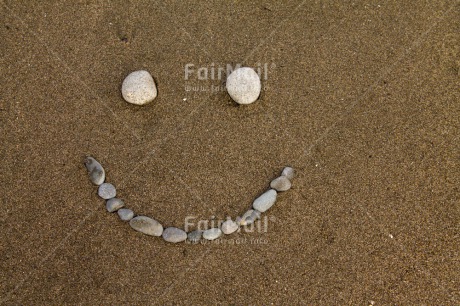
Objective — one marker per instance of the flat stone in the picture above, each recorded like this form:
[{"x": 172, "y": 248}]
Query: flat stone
[
  {"x": 125, "y": 214},
  {"x": 146, "y": 225},
  {"x": 114, "y": 204},
  {"x": 139, "y": 88},
  {"x": 195, "y": 236},
  {"x": 229, "y": 227},
  {"x": 288, "y": 172},
  {"x": 96, "y": 171},
  {"x": 243, "y": 85},
  {"x": 174, "y": 235},
  {"x": 212, "y": 233},
  {"x": 265, "y": 201},
  {"x": 107, "y": 191},
  {"x": 281, "y": 183}
]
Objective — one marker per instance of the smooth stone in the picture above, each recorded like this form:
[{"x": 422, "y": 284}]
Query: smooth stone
[
  {"x": 212, "y": 233},
  {"x": 114, "y": 204},
  {"x": 229, "y": 227},
  {"x": 281, "y": 183},
  {"x": 288, "y": 172},
  {"x": 265, "y": 201},
  {"x": 195, "y": 236},
  {"x": 96, "y": 171},
  {"x": 174, "y": 235},
  {"x": 107, "y": 191},
  {"x": 139, "y": 88},
  {"x": 125, "y": 214},
  {"x": 244, "y": 217},
  {"x": 146, "y": 225},
  {"x": 255, "y": 214},
  {"x": 243, "y": 85}
]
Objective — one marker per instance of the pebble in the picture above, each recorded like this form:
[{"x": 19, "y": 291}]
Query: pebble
[
  {"x": 265, "y": 201},
  {"x": 288, "y": 172},
  {"x": 114, "y": 204},
  {"x": 107, "y": 191},
  {"x": 146, "y": 225},
  {"x": 174, "y": 234},
  {"x": 281, "y": 183},
  {"x": 212, "y": 233},
  {"x": 195, "y": 236},
  {"x": 243, "y": 85},
  {"x": 96, "y": 172},
  {"x": 125, "y": 214},
  {"x": 250, "y": 217},
  {"x": 139, "y": 88},
  {"x": 229, "y": 227}
]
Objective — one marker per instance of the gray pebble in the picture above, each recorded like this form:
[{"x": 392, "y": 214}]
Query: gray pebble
[
  {"x": 114, "y": 204},
  {"x": 250, "y": 217},
  {"x": 107, "y": 191},
  {"x": 288, "y": 172},
  {"x": 265, "y": 201},
  {"x": 195, "y": 236},
  {"x": 244, "y": 217},
  {"x": 96, "y": 172},
  {"x": 174, "y": 234},
  {"x": 146, "y": 226},
  {"x": 243, "y": 85},
  {"x": 281, "y": 183},
  {"x": 125, "y": 214},
  {"x": 229, "y": 227},
  {"x": 212, "y": 233}
]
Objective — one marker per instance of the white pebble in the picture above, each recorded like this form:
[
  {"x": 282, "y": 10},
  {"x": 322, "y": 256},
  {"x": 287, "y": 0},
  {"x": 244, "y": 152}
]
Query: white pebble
[
  {"x": 243, "y": 85},
  {"x": 125, "y": 214},
  {"x": 288, "y": 172},
  {"x": 281, "y": 183},
  {"x": 174, "y": 235},
  {"x": 212, "y": 233},
  {"x": 114, "y": 204},
  {"x": 139, "y": 88},
  {"x": 265, "y": 201},
  {"x": 96, "y": 171},
  {"x": 107, "y": 191},
  {"x": 229, "y": 227},
  {"x": 146, "y": 226}
]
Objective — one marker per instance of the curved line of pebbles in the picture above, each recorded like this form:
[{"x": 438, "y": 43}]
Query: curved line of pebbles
[{"x": 152, "y": 227}]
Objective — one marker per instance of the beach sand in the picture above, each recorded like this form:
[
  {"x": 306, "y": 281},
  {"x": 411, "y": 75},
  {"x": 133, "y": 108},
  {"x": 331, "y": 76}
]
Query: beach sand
[{"x": 362, "y": 99}]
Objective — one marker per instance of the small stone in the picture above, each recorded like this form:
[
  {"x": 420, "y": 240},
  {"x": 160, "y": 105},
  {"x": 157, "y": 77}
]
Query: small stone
[
  {"x": 212, "y": 233},
  {"x": 139, "y": 88},
  {"x": 107, "y": 191},
  {"x": 281, "y": 183},
  {"x": 195, "y": 236},
  {"x": 229, "y": 227},
  {"x": 288, "y": 172},
  {"x": 146, "y": 226},
  {"x": 114, "y": 204},
  {"x": 243, "y": 85},
  {"x": 250, "y": 217},
  {"x": 125, "y": 214},
  {"x": 265, "y": 201},
  {"x": 246, "y": 215},
  {"x": 174, "y": 235},
  {"x": 96, "y": 171}
]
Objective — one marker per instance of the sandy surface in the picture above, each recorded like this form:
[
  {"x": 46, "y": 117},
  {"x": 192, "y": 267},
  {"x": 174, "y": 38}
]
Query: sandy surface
[{"x": 362, "y": 99}]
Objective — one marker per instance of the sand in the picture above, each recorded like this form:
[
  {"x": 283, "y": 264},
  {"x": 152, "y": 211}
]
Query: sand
[{"x": 361, "y": 99}]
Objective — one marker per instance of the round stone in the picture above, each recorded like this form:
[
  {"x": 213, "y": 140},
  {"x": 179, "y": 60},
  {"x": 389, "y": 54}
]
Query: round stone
[
  {"x": 243, "y": 85},
  {"x": 281, "y": 183},
  {"x": 139, "y": 88},
  {"x": 265, "y": 201},
  {"x": 288, "y": 172},
  {"x": 114, "y": 204},
  {"x": 174, "y": 234},
  {"x": 107, "y": 191},
  {"x": 195, "y": 236},
  {"x": 125, "y": 214},
  {"x": 229, "y": 227},
  {"x": 212, "y": 233},
  {"x": 96, "y": 171},
  {"x": 146, "y": 226}
]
